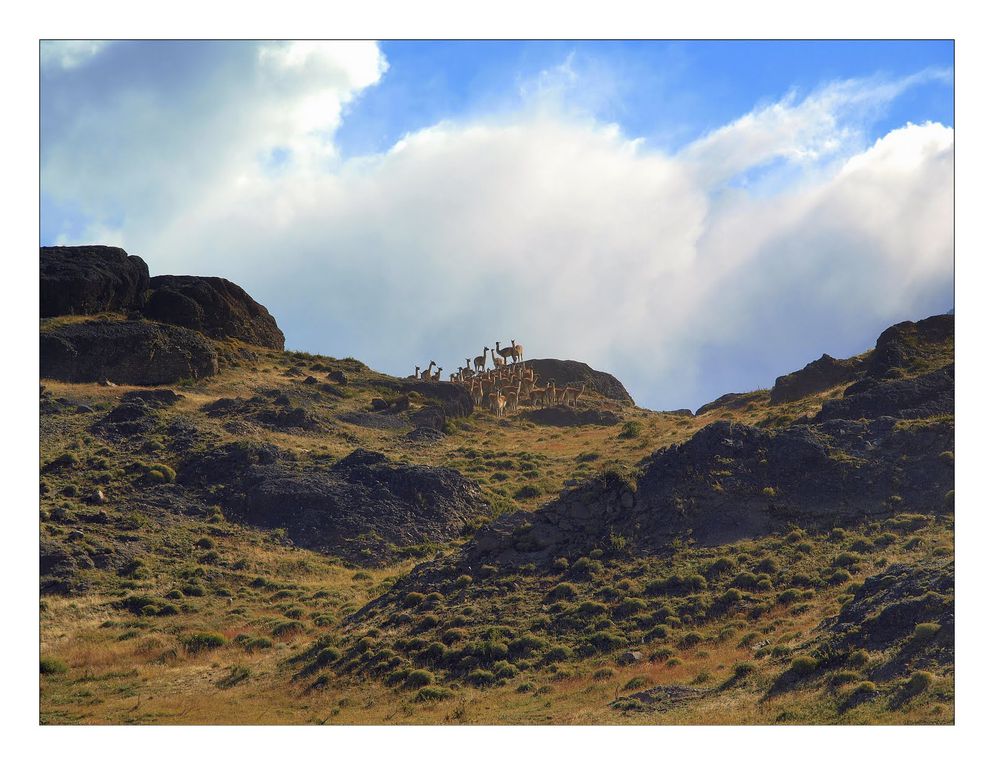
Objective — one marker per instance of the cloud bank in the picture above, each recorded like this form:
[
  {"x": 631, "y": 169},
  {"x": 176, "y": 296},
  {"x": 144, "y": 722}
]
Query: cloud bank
[{"x": 782, "y": 235}]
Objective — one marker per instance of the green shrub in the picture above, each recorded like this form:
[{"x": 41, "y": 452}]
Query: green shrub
[
  {"x": 605, "y": 640},
  {"x": 630, "y": 429},
  {"x": 730, "y": 597},
  {"x": 419, "y": 678},
  {"x": 291, "y": 627},
  {"x": 794, "y": 537},
  {"x": 639, "y": 681},
  {"x": 804, "y": 665},
  {"x": 789, "y": 596},
  {"x": 604, "y": 673},
  {"x": 258, "y": 644},
  {"x": 503, "y": 670},
  {"x": 743, "y": 668},
  {"x": 885, "y": 540},
  {"x": 327, "y": 656},
  {"x": 844, "y": 677},
  {"x": 839, "y": 576},
  {"x": 918, "y": 682},
  {"x": 630, "y": 606},
  {"x": 50, "y": 666},
  {"x": 413, "y": 599},
  {"x": 865, "y": 688},
  {"x": 525, "y": 646},
  {"x": 925, "y": 632},
  {"x": 481, "y": 677},
  {"x": 464, "y": 581},
  {"x": 528, "y": 491},
  {"x": 858, "y": 658},
  {"x": 558, "y": 653},
  {"x": 861, "y": 544},
  {"x": 585, "y": 568},
  {"x": 719, "y": 567},
  {"x": 690, "y": 639},
  {"x": 202, "y": 641},
  {"x": 430, "y": 693},
  {"x": 453, "y": 635}
]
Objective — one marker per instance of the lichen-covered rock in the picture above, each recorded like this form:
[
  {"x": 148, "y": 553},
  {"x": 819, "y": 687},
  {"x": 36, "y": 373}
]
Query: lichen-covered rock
[
  {"x": 91, "y": 279},
  {"x": 128, "y": 352},
  {"x": 214, "y": 306}
]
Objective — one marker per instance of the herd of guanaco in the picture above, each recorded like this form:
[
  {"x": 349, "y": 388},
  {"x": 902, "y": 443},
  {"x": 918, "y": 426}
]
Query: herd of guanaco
[{"x": 508, "y": 386}]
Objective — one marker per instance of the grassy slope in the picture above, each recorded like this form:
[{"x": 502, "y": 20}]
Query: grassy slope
[{"x": 122, "y": 667}]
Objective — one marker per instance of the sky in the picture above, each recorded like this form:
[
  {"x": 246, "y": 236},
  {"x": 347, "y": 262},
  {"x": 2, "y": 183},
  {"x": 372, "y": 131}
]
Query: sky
[{"x": 695, "y": 217}]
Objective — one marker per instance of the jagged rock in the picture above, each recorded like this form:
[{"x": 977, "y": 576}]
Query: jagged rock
[
  {"x": 564, "y": 416},
  {"x": 929, "y": 395},
  {"x": 337, "y": 376},
  {"x": 91, "y": 279},
  {"x": 576, "y": 373},
  {"x": 825, "y": 373},
  {"x": 214, "y": 306},
  {"x": 129, "y": 352}
]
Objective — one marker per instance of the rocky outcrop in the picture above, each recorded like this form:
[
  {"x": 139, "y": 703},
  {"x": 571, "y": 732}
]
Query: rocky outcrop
[
  {"x": 734, "y": 401},
  {"x": 564, "y": 416},
  {"x": 128, "y": 352},
  {"x": 452, "y": 399},
  {"x": 214, "y": 306},
  {"x": 576, "y": 373},
  {"x": 91, "y": 279},
  {"x": 910, "y": 345},
  {"x": 363, "y": 509},
  {"x": 825, "y": 373},
  {"x": 929, "y": 395},
  {"x": 732, "y": 481}
]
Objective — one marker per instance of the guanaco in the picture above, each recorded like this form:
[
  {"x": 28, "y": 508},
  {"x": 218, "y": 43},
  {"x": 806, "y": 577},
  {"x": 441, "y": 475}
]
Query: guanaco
[{"x": 480, "y": 362}]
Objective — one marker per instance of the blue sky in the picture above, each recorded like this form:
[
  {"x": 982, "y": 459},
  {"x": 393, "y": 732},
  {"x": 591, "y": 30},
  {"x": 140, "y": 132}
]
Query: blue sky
[
  {"x": 695, "y": 217},
  {"x": 667, "y": 91}
]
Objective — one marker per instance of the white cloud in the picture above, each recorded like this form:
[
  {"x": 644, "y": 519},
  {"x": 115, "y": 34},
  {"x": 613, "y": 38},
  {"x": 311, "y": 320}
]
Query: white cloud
[
  {"x": 550, "y": 229},
  {"x": 68, "y": 54}
]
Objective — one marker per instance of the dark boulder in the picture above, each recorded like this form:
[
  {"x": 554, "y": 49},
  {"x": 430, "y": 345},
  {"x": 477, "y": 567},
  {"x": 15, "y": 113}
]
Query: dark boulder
[
  {"x": 576, "y": 373},
  {"x": 825, "y": 373},
  {"x": 91, "y": 279},
  {"x": 128, "y": 352},
  {"x": 214, "y": 306},
  {"x": 564, "y": 416}
]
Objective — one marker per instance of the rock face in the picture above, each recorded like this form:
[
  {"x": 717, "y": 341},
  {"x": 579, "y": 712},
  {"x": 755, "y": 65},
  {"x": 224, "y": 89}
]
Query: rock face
[
  {"x": 453, "y": 400},
  {"x": 362, "y": 509},
  {"x": 91, "y": 279},
  {"x": 128, "y": 352},
  {"x": 214, "y": 306},
  {"x": 564, "y": 373},
  {"x": 825, "y": 373}
]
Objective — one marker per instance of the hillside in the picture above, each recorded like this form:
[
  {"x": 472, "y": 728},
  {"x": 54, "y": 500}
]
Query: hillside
[{"x": 235, "y": 533}]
